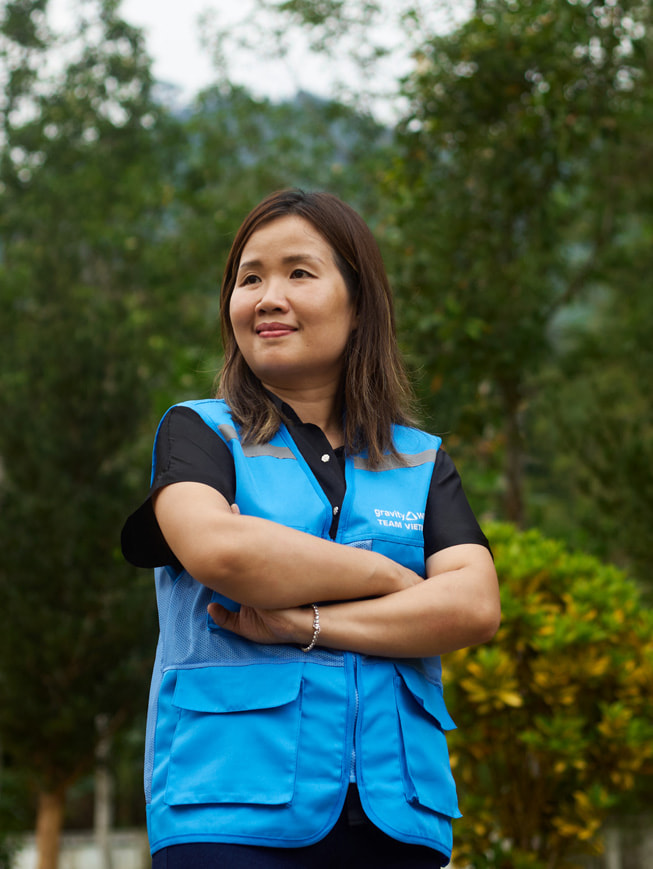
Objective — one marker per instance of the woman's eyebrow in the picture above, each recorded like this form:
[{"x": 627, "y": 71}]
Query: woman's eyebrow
[
  {"x": 301, "y": 257},
  {"x": 290, "y": 259}
]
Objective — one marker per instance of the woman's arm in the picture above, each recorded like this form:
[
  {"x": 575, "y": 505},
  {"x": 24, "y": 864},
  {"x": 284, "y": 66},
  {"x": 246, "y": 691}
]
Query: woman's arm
[
  {"x": 455, "y": 607},
  {"x": 264, "y": 564}
]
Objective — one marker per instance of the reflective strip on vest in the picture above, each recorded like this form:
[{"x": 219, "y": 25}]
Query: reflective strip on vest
[
  {"x": 388, "y": 463},
  {"x": 228, "y": 432},
  {"x": 254, "y": 450},
  {"x": 392, "y": 463},
  {"x": 251, "y": 451}
]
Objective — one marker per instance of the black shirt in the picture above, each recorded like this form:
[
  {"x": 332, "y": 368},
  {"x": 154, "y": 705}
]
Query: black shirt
[{"x": 188, "y": 450}]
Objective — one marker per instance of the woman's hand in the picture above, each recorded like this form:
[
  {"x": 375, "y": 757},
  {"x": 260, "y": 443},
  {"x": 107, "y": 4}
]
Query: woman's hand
[{"x": 289, "y": 625}]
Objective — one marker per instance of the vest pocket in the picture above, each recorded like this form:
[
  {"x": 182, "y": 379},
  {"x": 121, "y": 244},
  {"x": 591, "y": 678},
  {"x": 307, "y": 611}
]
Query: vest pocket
[
  {"x": 425, "y": 767},
  {"x": 236, "y": 736}
]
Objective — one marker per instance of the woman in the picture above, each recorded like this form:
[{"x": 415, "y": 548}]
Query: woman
[{"x": 300, "y": 722}]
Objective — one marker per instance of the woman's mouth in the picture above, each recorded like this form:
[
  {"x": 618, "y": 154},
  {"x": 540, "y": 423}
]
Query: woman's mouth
[{"x": 274, "y": 330}]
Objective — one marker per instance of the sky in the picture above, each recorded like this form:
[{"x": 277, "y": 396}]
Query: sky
[{"x": 173, "y": 37}]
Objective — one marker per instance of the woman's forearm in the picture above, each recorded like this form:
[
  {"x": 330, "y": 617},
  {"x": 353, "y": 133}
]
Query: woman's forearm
[
  {"x": 456, "y": 607},
  {"x": 453, "y": 609},
  {"x": 263, "y": 564},
  {"x": 416, "y": 622},
  {"x": 268, "y": 565}
]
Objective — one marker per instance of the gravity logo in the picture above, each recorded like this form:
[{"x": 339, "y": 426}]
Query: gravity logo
[{"x": 395, "y": 519}]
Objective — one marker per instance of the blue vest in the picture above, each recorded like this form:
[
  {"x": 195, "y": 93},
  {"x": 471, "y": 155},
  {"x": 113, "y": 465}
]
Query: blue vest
[{"x": 257, "y": 744}]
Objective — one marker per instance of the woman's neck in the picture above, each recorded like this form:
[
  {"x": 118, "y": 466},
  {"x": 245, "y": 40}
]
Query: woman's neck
[{"x": 321, "y": 407}]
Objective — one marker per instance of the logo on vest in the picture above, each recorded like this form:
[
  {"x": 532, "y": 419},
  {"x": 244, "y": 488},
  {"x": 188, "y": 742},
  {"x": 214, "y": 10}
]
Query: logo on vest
[{"x": 395, "y": 519}]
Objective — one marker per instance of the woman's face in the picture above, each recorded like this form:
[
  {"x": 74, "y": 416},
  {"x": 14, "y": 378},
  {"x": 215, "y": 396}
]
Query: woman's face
[{"x": 290, "y": 309}]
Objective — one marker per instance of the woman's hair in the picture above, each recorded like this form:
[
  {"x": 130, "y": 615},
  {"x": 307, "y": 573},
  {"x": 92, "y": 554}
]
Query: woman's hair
[{"x": 374, "y": 390}]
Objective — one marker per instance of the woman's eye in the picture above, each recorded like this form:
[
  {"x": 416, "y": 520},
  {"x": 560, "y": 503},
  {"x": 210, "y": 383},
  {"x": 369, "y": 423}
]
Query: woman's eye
[
  {"x": 249, "y": 279},
  {"x": 300, "y": 273}
]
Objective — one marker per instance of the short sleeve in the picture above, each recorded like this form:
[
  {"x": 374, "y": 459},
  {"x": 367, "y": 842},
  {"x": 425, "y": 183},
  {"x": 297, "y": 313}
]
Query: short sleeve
[
  {"x": 186, "y": 450},
  {"x": 448, "y": 518}
]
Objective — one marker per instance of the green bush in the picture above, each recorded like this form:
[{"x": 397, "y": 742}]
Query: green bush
[{"x": 556, "y": 714}]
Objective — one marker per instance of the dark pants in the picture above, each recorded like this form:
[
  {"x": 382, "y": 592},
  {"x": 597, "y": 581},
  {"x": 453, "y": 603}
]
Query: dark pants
[{"x": 353, "y": 842}]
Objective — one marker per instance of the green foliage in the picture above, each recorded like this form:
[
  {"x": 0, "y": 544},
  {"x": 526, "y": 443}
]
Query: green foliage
[
  {"x": 80, "y": 194},
  {"x": 501, "y": 222},
  {"x": 592, "y": 428},
  {"x": 556, "y": 714}
]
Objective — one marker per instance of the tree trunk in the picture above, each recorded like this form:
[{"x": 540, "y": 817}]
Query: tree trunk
[
  {"x": 103, "y": 793},
  {"x": 48, "y": 828}
]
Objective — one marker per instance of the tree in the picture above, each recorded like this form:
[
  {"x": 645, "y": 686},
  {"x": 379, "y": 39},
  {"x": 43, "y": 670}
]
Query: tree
[
  {"x": 593, "y": 422},
  {"x": 555, "y": 714},
  {"x": 82, "y": 196},
  {"x": 504, "y": 222}
]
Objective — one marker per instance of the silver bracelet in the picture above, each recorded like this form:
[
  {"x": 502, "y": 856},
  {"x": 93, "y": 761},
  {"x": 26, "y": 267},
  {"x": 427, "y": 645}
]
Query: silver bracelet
[{"x": 316, "y": 629}]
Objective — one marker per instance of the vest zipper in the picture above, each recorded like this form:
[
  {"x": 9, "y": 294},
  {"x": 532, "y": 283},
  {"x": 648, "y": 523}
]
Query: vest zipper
[{"x": 352, "y": 761}]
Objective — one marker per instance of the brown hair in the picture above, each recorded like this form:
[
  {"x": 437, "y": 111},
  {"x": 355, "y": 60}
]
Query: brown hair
[{"x": 375, "y": 390}]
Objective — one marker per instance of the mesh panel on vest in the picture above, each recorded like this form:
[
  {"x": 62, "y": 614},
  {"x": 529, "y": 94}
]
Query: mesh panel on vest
[
  {"x": 152, "y": 715},
  {"x": 190, "y": 639}
]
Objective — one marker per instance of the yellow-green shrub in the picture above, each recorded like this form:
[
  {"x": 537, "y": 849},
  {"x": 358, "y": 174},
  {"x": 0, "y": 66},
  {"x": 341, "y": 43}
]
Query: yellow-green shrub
[{"x": 555, "y": 716}]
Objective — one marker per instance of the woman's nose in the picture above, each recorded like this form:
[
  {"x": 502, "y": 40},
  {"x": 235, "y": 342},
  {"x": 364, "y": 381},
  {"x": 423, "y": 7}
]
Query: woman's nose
[{"x": 273, "y": 297}]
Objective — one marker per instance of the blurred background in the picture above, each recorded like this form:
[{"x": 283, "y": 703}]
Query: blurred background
[{"x": 501, "y": 151}]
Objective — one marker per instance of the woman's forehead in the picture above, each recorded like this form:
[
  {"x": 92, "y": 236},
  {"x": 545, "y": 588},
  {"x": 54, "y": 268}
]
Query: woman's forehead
[
  {"x": 290, "y": 237},
  {"x": 288, "y": 226}
]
